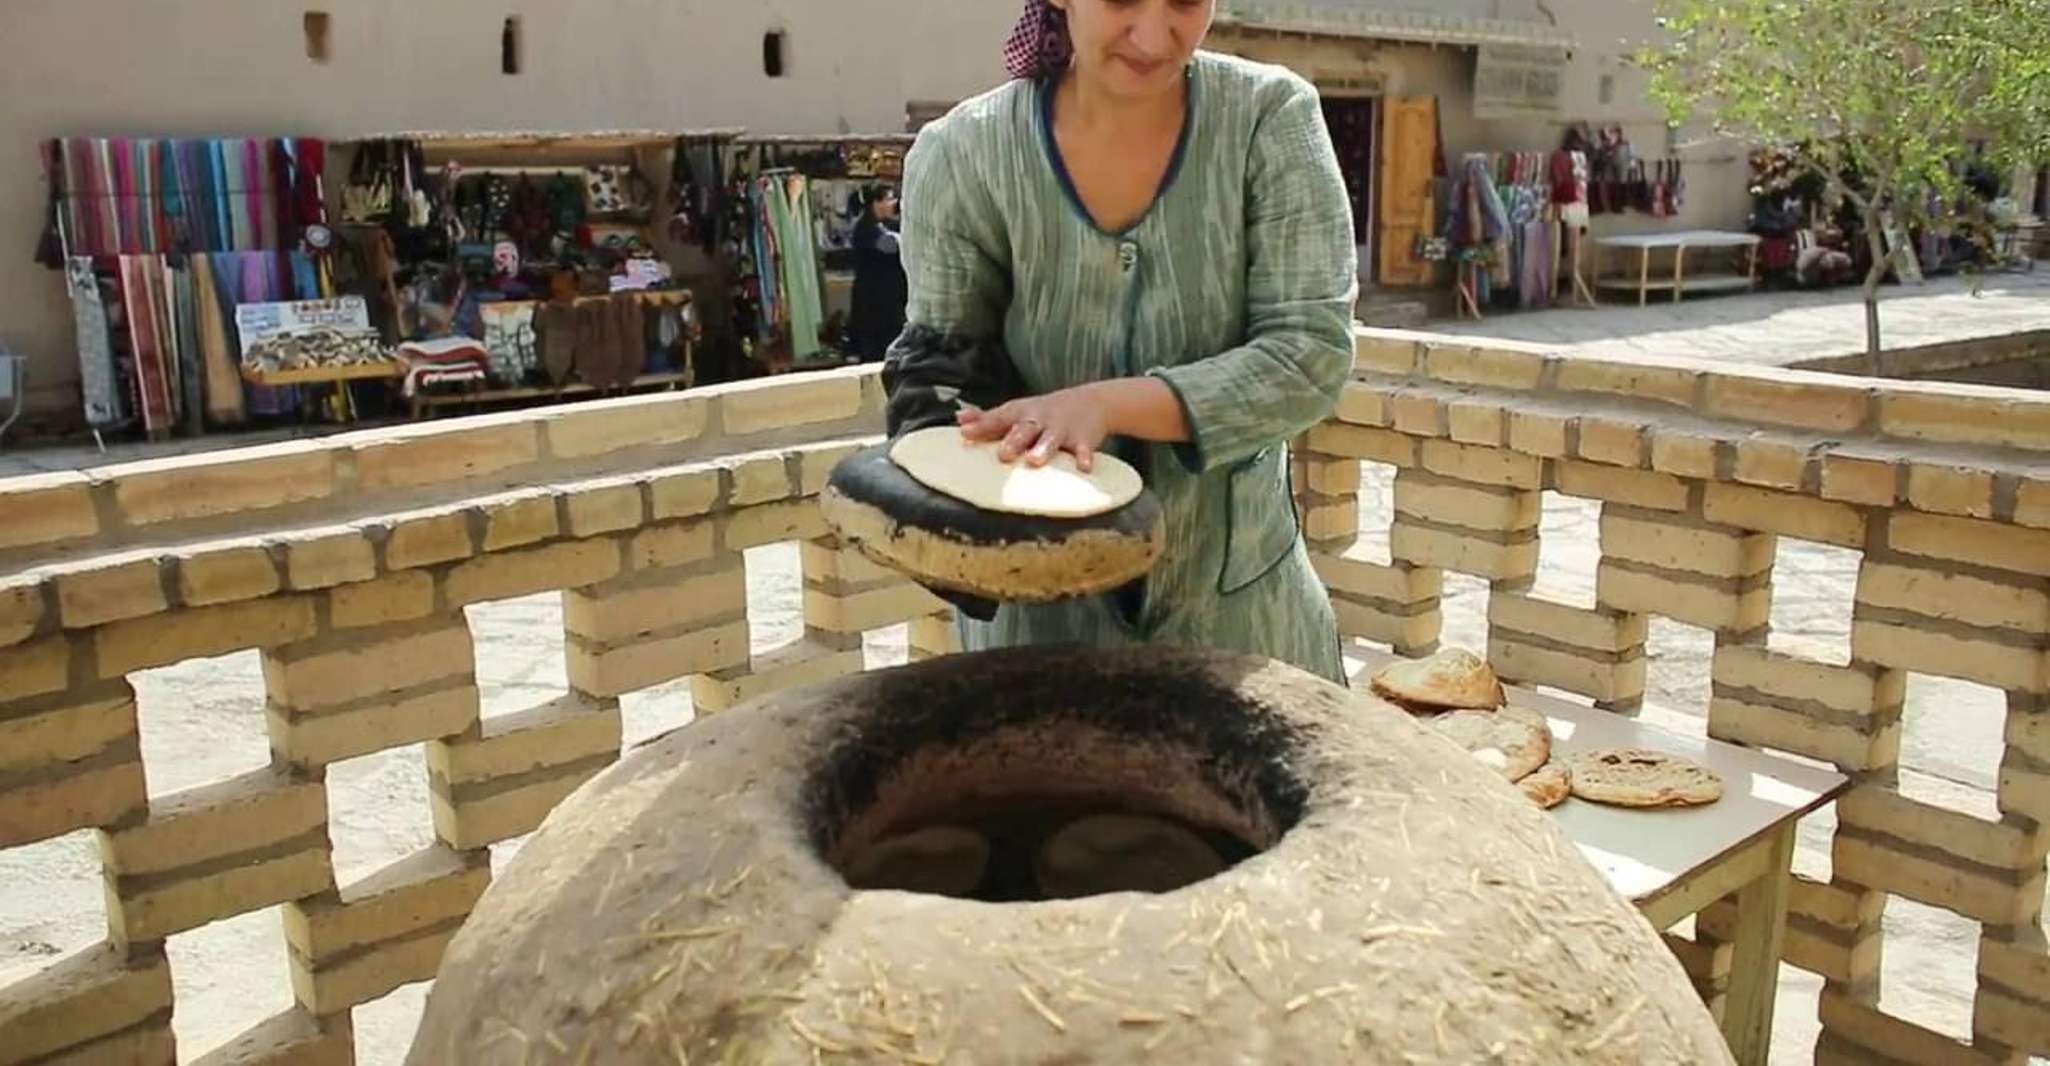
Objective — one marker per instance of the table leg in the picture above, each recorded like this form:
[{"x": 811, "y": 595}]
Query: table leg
[
  {"x": 1644, "y": 276},
  {"x": 1755, "y": 957}
]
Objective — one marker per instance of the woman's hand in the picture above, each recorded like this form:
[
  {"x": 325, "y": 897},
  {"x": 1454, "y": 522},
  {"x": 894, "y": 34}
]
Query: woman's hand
[
  {"x": 1037, "y": 428},
  {"x": 1078, "y": 420}
]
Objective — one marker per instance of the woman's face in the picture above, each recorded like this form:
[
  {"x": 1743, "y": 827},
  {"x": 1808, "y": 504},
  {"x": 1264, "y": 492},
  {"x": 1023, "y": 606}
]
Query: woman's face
[{"x": 1137, "y": 47}]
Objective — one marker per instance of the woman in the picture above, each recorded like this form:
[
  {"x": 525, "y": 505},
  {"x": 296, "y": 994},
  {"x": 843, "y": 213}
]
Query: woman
[
  {"x": 879, "y": 285},
  {"x": 1140, "y": 247}
]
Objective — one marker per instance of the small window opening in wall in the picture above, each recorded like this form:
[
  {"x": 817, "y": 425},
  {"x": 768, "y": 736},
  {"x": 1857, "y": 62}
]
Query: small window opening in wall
[
  {"x": 509, "y": 46},
  {"x": 317, "y": 26},
  {"x": 1608, "y": 89},
  {"x": 772, "y": 53}
]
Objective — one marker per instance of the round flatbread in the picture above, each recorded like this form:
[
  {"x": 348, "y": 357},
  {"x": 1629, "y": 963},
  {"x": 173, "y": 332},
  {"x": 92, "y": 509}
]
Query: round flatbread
[
  {"x": 1454, "y": 678},
  {"x": 944, "y": 860},
  {"x": 1123, "y": 853},
  {"x": 1548, "y": 786},
  {"x": 1513, "y": 741},
  {"x": 942, "y": 460},
  {"x": 1634, "y": 777}
]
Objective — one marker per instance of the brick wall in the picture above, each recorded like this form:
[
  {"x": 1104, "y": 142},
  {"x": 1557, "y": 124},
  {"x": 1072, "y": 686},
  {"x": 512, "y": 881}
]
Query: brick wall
[{"x": 349, "y": 561}]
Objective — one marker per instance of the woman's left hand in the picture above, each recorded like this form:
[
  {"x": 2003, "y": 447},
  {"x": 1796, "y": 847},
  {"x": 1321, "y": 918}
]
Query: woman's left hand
[{"x": 1038, "y": 427}]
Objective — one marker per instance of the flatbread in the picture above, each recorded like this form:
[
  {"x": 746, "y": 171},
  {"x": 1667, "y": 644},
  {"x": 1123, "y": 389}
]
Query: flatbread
[
  {"x": 942, "y": 860},
  {"x": 1513, "y": 741},
  {"x": 942, "y": 460},
  {"x": 1454, "y": 678},
  {"x": 1104, "y": 853},
  {"x": 1549, "y": 786},
  {"x": 1634, "y": 777}
]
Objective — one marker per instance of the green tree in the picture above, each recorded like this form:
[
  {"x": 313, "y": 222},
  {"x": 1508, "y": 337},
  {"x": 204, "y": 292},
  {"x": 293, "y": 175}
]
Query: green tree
[{"x": 1885, "y": 100}]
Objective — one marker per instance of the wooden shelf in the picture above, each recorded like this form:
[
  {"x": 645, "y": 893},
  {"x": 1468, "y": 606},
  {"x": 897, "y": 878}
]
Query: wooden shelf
[{"x": 324, "y": 375}]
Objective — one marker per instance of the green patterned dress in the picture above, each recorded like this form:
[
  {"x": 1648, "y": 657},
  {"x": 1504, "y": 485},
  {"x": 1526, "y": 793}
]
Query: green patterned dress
[{"x": 1236, "y": 289}]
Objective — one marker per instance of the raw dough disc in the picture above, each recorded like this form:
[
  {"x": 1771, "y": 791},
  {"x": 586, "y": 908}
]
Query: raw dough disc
[
  {"x": 1122, "y": 853},
  {"x": 941, "y": 460},
  {"x": 1549, "y": 786},
  {"x": 942, "y": 859},
  {"x": 1634, "y": 777},
  {"x": 1513, "y": 741},
  {"x": 1454, "y": 677}
]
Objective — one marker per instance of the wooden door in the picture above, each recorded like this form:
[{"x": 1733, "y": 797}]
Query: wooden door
[{"x": 1409, "y": 144}]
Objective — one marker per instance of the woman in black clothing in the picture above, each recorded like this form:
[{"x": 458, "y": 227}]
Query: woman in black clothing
[{"x": 880, "y": 290}]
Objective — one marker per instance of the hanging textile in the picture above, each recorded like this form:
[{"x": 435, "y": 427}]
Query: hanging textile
[
  {"x": 98, "y": 377},
  {"x": 216, "y": 338},
  {"x": 153, "y": 398}
]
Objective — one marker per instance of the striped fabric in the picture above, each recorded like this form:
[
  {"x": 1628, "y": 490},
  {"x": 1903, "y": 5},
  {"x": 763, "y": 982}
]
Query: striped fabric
[{"x": 1237, "y": 289}]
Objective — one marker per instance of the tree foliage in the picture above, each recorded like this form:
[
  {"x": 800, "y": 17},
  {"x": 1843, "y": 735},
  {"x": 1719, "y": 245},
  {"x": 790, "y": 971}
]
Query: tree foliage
[{"x": 1886, "y": 100}]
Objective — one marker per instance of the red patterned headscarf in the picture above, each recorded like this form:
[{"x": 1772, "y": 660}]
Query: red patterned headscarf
[{"x": 1039, "y": 45}]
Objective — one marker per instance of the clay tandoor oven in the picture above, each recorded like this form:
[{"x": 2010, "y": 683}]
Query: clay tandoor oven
[{"x": 1373, "y": 896}]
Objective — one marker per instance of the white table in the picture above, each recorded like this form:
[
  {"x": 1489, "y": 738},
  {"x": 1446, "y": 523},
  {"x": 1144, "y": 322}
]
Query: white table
[
  {"x": 1674, "y": 863},
  {"x": 1680, "y": 243}
]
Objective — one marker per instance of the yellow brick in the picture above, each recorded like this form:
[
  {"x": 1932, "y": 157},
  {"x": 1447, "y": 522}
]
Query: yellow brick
[
  {"x": 862, "y": 611},
  {"x": 1876, "y": 1033},
  {"x": 1956, "y": 598},
  {"x": 933, "y": 637},
  {"x": 323, "y": 558},
  {"x": 226, "y": 574},
  {"x": 501, "y": 816},
  {"x": 290, "y": 1039},
  {"x": 815, "y": 464},
  {"x": 671, "y": 545},
  {"x": 1639, "y": 488},
  {"x": 201, "y": 633},
  {"x": 85, "y": 996},
  {"x": 2022, "y": 967},
  {"x": 1683, "y": 601},
  {"x": 1711, "y": 551},
  {"x": 331, "y": 736},
  {"x": 426, "y": 539},
  {"x": 53, "y": 806},
  {"x": 1387, "y": 351},
  {"x": 2032, "y": 503},
  {"x": 393, "y": 598},
  {"x": 685, "y": 492},
  {"x": 1955, "y": 414},
  {"x": 769, "y": 523},
  {"x": 1850, "y": 689},
  {"x": 627, "y": 668},
  {"x": 219, "y": 483},
  {"x": 1489, "y": 466},
  {"x": 2005, "y": 547},
  {"x": 1360, "y": 442},
  {"x": 367, "y": 941},
  {"x": 1930, "y": 652},
  {"x": 1419, "y": 414},
  {"x": 608, "y": 506},
  {"x": 1334, "y": 477},
  {"x": 1784, "y": 513},
  {"x": 513, "y": 521},
  {"x": 1856, "y": 479},
  {"x": 181, "y": 906},
  {"x": 111, "y": 589},
  {"x": 1616, "y": 443},
  {"x": 1843, "y": 907},
  {"x": 1467, "y": 555},
  {"x": 2029, "y": 733},
  {"x": 432, "y": 454},
  {"x": 1338, "y": 520},
  {"x": 369, "y": 976},
  {"x": 65, "y": 729},
  {"x": 1354, "y": 575},
  {"x": 1494, "y": 368},
  {"x": 2011, "y": 1021},
  {"x": 2023, "y": 791},
  {"x": 1771, "y": 463},
  {"x": 1852, "y": 750},
  {"x": 653, "y": 602},
  {"x": 46, "y": 508},
  {"x": 1954, "y": 833},
  {"x": 244, "y": 813},
  {"x": 1631, "y": 380},
  {"x": 1532, "y": 665},
  {"x": 1958, "y": 490},
  {"x": 1974, "y": 894},
  {"x": 1362, "y": 405},
  {"x": 35, "y": 668},
  {"x": 1477, "y": 423},
  {"x": 508, "y": 575},
  {"x": 1684, "y": 454},
  {"x": 1786, "y": 398},
  {"x": 802, "y": 662},
  {"x": 783, "y": 402},
  {"x": 565, "y": 730},
  {"x": 623, "y": 425},
  {"x": 758, "y": 478},
  {"x": 1598, "y": 630},
  {"x": 830, "y": 566},
  {"x": 21, "y": 607},
  {"x": 1533, "y": 433},
  {"x": 349, "y": 667},
  {"x": 1460, "y": 503},
  {"x": 1407, "y": 633}
]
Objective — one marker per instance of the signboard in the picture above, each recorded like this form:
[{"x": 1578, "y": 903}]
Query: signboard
[
  {"x": 259, "y": 322},
  {"x": 1513, "y": 81}
]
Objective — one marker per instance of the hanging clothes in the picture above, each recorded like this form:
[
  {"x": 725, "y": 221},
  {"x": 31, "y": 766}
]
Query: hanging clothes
[
  {"x": 800, "y": 265},
  {"x": 225, "y": 405},
  {"x": 98, "y": 377}
]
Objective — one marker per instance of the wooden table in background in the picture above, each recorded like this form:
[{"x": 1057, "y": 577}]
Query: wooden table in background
[
  {"x": 1680, "y": 244},
  {"x": 1674, "y": 863},
  {"x": 337, "y": 376}
]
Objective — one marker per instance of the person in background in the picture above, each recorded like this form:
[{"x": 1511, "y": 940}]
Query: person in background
[
  {"x": 1142, "y": 248},
  {"x": 880, "y": 290}
]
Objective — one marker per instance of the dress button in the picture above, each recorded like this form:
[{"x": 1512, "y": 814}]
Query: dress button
[{"x": 1128, "y": 255}]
